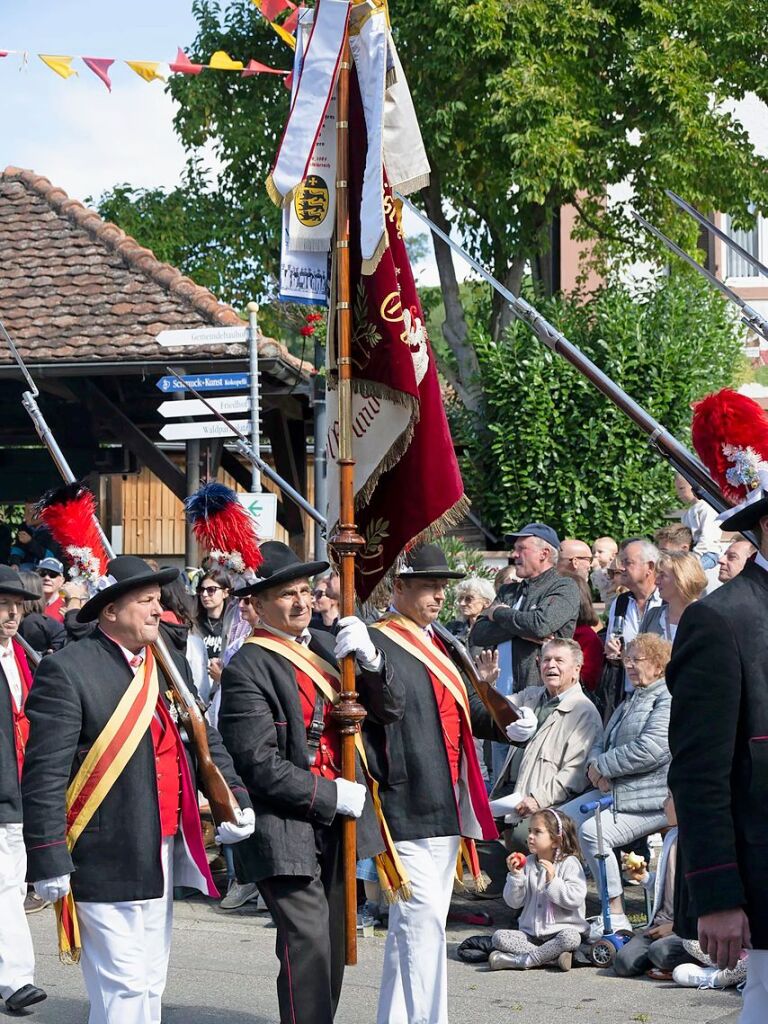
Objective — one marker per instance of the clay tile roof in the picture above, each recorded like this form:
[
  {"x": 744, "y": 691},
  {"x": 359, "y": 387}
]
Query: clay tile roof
[{"x": 74, "y": 287}]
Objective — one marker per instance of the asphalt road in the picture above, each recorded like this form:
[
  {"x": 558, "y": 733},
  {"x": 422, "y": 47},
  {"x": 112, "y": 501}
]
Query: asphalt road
[{"x": 223, "y": 969}]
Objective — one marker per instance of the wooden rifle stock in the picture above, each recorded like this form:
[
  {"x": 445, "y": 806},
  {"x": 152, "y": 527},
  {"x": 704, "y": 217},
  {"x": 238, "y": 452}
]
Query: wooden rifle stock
[{"x": 499, "y": 708}]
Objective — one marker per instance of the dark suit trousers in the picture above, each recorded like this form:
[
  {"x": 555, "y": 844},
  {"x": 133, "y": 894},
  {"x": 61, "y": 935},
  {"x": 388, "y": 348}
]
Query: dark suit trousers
[{"x": 309, "y": 915}]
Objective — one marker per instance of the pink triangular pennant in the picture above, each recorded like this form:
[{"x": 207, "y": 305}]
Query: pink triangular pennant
[
  {"x": 291, "y": 21},
  {"x": 253, "y": 67},
  {"x": 184, "y": 65},
  {"x": 271, "y": 8},
  {"x": 288, "y": 81},
  {"x": 100, "y": 67}
]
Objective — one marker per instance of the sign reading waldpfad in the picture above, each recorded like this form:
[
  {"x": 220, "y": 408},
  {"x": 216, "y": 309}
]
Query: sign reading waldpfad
[
  {"x": 200, "y": 337},
  {"x": 262, "y": 506},
  {"x": 407, "y": 480},
  {"x": 202, "y": 429}
]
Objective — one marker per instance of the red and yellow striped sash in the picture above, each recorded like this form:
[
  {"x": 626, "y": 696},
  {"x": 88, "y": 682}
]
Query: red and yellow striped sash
[
  {"x": 412, "y": 638},
  {"x": 112, "y": 750},
  {"x": 392, "y": 875}
]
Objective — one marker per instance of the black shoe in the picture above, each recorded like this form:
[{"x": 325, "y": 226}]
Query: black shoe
[{"x": 25, "y": 996}]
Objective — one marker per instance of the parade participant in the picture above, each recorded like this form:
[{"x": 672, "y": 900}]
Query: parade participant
[
  {"x": 17, "y": 958},
  {"x": 51, "y": 572},
  {"x": 277, "y": 693},
  {"x": 432, "y": 788},
  {"x": 734, "y": 558},
  {"x": 110, "y": 805},
  {"x": 718, "y": 677}
]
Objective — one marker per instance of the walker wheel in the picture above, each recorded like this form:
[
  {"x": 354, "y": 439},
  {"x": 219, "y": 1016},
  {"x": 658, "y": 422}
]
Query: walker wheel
[{"x": 603, "y": 953}]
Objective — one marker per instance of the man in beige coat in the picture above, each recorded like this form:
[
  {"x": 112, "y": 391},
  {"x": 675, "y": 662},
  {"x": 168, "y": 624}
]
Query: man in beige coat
[{"x": 558, "y": 724}]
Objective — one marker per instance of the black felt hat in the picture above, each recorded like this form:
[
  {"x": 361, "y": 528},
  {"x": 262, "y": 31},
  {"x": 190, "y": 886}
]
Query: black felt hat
[
  {"x": 124, "y": 573},
  {"x": 11, "y": 584},
  {"x": 427, "y": 561},
  {"x": 280, "y": 565}
]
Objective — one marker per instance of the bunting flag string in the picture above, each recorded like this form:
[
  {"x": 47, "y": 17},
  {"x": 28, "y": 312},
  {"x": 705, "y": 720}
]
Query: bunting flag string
[{"x": 152, "y": 70}]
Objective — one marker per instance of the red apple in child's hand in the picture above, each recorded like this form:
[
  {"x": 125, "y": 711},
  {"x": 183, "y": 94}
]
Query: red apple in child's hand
[{"x": 516, "y": 861}]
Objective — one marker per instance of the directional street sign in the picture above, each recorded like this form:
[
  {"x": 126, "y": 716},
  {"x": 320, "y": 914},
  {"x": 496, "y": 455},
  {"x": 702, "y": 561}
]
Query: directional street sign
[
  {"x": 193, "y": 407},
  {"x": 202, "y": 336},
  {"x": 263, "y": 508},
  {"x": 206, "y": 382},
  {"x": 203, "y": 428}
]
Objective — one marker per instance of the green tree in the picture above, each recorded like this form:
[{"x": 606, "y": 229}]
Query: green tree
[
  {"x": 561, "y": 452},
  {"x": 525, "y": 105}
]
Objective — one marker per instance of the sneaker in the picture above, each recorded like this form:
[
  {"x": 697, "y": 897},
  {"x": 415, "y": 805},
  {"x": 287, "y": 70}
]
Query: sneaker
[
  {"x": 238, "y": 895},
  {"x": 33, "y": 903},
  {"x": 696, "y": 976},
  {"x": 619, "y": 923},
  {"x": 499, "y": 961},
  {"x": 565, "y": 961}
]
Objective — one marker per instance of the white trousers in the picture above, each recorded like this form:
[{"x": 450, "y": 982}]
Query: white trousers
[
  {"x": 125, "y": 951},
  {"x": 414, "y": 981},
  {"x": 17, "y": 958},
  {"x": 755, "y": 1010}
]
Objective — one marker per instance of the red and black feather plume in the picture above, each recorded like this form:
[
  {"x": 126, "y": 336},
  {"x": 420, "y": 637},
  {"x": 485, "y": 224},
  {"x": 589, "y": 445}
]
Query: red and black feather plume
[
  {"x": 69, "y": 512},
  {"x": 222, "y": 525}
]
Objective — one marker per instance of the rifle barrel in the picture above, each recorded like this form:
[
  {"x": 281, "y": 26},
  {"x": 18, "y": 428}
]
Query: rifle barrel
[
  {"x": 713, "y": 229},
  {"x": 750, "y": 316},
  {"x": 660, "y": 438}
]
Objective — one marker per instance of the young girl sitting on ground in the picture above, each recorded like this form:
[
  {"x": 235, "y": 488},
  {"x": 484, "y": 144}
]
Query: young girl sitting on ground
[{"x": 551, "y": 888}]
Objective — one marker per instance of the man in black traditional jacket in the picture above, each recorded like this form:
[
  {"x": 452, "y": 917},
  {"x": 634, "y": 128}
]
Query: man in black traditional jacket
[
  {"x": 432, "y": 792},
  {"x": 275, "y": 720},
  {"x": 100, "y": 716},
  {"x": 17, "y": 958},
  {"x": 718, "y": 731}
]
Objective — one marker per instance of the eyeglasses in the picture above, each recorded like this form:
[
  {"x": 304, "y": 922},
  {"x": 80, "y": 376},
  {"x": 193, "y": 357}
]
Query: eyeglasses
[
  {"x": 628, "y": 659},
  {"x": 320, "y": 593},
  {"x": 48, "y": 574},
  {"x": 208, "y": 590}
]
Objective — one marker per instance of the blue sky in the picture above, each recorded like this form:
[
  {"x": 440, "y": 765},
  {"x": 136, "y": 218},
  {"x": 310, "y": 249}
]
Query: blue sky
[{"x": 73, "y": 131}]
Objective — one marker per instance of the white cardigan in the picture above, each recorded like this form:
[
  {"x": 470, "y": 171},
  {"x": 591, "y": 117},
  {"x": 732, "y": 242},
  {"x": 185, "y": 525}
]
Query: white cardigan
[{"x": 548, "y": 907}]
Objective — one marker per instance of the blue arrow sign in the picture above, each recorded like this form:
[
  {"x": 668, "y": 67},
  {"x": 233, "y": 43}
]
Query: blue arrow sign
[{"x": 206, "y": 382}]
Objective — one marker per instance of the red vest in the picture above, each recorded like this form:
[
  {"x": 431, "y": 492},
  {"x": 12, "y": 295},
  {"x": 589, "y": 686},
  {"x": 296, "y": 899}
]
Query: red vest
[
  {"x": 328, "y": 758},
  {"x": 450, "y": 717},
  {"x": 20, "y": 722},
  {"x": 168, "y": 776}
]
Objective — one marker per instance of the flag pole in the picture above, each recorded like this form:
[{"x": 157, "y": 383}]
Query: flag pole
[{"x": 346, "y": 542}]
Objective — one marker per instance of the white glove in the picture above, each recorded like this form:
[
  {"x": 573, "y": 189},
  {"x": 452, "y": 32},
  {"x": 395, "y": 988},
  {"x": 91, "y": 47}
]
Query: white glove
[
  {"x": 526, "y": 725},
  {"x": 52, "y": 889},
  {"x": 353, "y": 637},
  {"x": 227, "y": 833},
  {"x": 350, "y": 797}
]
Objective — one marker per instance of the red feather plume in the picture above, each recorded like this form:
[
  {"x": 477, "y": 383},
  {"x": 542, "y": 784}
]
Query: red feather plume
[
  {"x": 220, "y": 523},
  {"x": 70, "y": 514},
  {"x": 727, "y": 418}
]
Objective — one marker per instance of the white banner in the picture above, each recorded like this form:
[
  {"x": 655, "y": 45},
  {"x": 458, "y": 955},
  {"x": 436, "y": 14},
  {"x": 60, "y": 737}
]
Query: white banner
[{"x": 317, "y": 81}]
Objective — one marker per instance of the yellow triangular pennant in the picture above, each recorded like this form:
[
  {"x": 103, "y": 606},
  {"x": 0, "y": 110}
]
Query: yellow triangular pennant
[
  {"x": 61, "y": 65},
  {"x": 285, "y": 36},
  {"x": 221, "y": 61},
  {"x": 146, "y": 69}
]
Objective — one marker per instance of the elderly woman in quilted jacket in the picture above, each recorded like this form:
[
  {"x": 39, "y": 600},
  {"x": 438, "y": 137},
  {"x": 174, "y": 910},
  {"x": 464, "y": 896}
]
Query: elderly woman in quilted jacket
[{"x": 630, "y": 761}]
